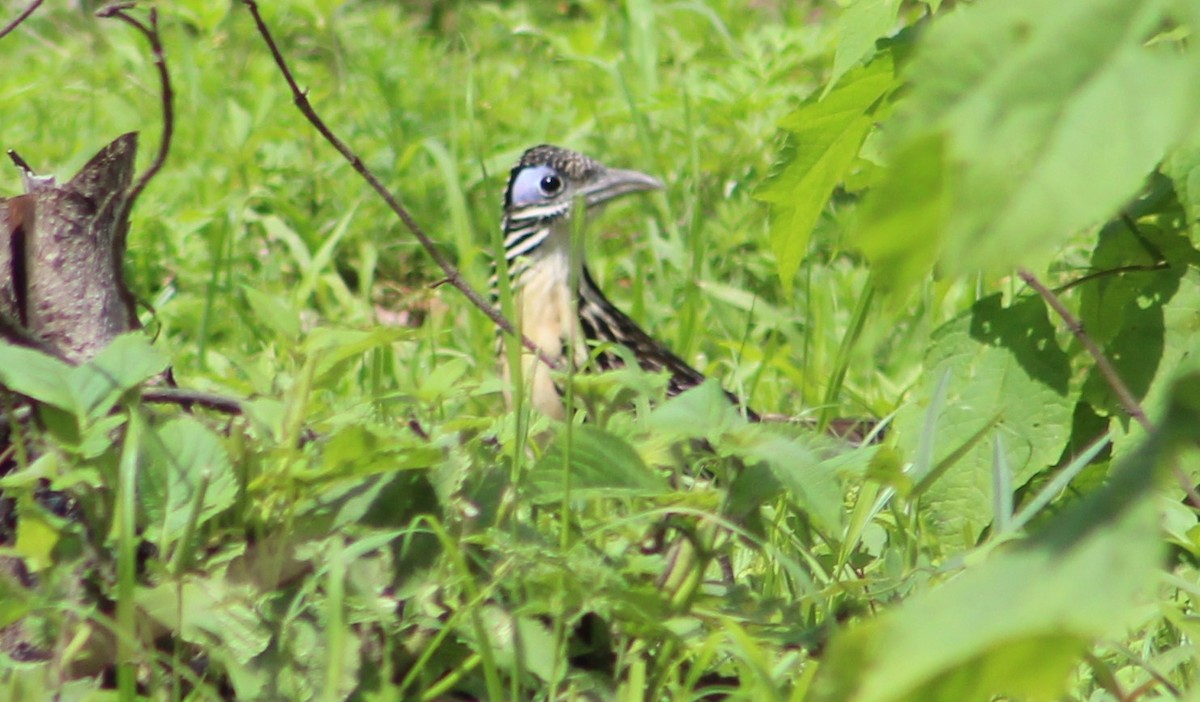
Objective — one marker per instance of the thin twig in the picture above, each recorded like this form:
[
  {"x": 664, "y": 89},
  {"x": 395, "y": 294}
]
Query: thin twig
[
  {"x": 1130, "y": 403},
  {"x": 1124, "y": 396},
  {"x": 20, "y": 162},
  {"x": 168, "y": 95},
  {"x": 187, "y": 398},
  {"x": 453, "y": 276},
  {"x": 1132, "y": 268},
  {"x": 20, "y": 18}
]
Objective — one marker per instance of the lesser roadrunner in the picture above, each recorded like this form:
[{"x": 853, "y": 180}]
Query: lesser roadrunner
[{"x": 544, "y": 190}]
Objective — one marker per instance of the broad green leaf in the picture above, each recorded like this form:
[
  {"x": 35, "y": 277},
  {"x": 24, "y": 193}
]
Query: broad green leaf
[
  {"x": 37, "y": 376},
  {"x": 812, "y": 486},
  {"x": 1171, "y": 354},
  {"x": 824, "y": 137},
  {"x": 182, "y": 455},
  {"x": 519, "y": 643},
  {"x": 37, "y": 536},
  {"x": 124, "y": 364},
  {"x": 1126, "y": 313},
  {"x": 857, "y": 29},
  {"x": 209, "y": 611},
  {"x": 1045, "y": 118},
  {"x": 703, "y": 412},
  {"x": 891, "y": 213},
  {"x": 601, "y": 465},
  {"x": 1182, "y": 166},
  {"x": 1007, "y": 375},
  {"x": 1017, "y": 624}
]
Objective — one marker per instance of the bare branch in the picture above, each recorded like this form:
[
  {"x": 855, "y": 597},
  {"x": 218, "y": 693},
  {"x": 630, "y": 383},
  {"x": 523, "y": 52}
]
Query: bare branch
[
  {"x": 1133, "y": 268},
  {"x": 168, "y": 95},
  {"x": 20, "y": 18},
  {"x": 452, "y": 274},
  {"x": 19, "y": 162},
  {"x": 1124, "y": 396},
  {"x": 1132, "y": 407},
  {"x": 187, "y": 398}
]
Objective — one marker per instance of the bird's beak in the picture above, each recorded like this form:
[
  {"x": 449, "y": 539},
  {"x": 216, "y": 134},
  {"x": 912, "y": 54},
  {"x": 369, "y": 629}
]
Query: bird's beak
[{"x": 614, "y": 183}]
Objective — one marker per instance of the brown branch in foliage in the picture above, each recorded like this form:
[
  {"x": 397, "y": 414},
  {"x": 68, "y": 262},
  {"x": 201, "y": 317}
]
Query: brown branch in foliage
[
  {"x": 1132, "y": 407},
  {"x": 168, "y": 95},
  {"x": 187, "y": 398},
  {"x": 1124, "y": 396},
  {"x": 453, "y": 276},
  {"x": 20, "y": 18}
]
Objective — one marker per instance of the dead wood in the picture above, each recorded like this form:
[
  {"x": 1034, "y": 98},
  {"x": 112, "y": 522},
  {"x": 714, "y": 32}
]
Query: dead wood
[{"x": 62, "y": 288}]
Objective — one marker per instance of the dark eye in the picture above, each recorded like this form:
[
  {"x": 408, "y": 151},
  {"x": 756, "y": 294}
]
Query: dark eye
[{"x": 550, "y": 185}]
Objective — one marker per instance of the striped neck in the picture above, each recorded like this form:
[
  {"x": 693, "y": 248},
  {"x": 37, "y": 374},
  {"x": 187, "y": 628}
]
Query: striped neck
[{"x": 530, "y": 237}]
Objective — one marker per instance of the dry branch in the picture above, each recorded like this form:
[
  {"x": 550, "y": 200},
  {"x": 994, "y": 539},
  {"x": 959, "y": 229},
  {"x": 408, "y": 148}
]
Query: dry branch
[
  {"x": 20, "y": 18},
  {"x": 1130, "y": 403},
  {"x": 453, "y": 276}
]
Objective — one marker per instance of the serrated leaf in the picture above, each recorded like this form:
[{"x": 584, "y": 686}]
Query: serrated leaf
[
  {"x": 1006, "y": 374},
  {"x": 825, "y": 135},
  {"x": 812, "y": 486},
  {"x": 181, "y": 455},
  {"x": 703, "y": 412},
  {"x": 523, "y": 639},
  {"x": 1049, "y": 118},
  {"x": 857, "y": 29},
  {"x": 207, "y": 611},
  {"x": 1017, "y": 624},
  {"x": 601, "y": 464}
]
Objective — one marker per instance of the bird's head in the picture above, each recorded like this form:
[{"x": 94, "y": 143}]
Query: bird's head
[{"x": 549, "y": 180}]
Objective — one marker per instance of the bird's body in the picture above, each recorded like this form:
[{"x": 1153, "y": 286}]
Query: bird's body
[{"x": 565, "y": 313}]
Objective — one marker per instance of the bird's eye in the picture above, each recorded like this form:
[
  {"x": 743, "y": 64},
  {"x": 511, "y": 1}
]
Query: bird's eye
[{"x": 550, "y": 184}]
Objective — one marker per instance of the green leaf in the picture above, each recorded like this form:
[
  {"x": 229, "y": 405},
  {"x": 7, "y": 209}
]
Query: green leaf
[
  {"x": 601, "y": 465},
  {"x": 811, "y": 485},
  {"x": 857, "y": 29},
  {"x": 338, "y": 347},
  {"x": 127, "y": 362},
  {"x": 209, "y": 611},
  {"x": 1183, "y": 168},
  {"x": 1017, "y": 624},
  {"x": 183, "y": 454},
  {"x": 1045, "y": 119},
  {"x": 522, "y": 639},
  {"x": 1005, "y": 369},
  {"x": 824, "y": 136},
  {"x": 1159, "y": 360},
  {"x": 703, "y": 412},
  {"x": 37, "y": 376},
  {"x": 38, "y": 533},
  {"x": 273, "y": 313},
  {"x": 891, "y": 213}
]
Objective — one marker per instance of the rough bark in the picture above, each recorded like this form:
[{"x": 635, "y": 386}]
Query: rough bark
[{"x": 62, "y": 287}]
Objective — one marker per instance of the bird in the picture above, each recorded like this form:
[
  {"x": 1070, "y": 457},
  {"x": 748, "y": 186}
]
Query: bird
[{"x": 547, "y": 188}]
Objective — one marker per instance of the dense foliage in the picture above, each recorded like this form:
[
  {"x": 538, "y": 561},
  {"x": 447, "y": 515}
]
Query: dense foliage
[{"x": 852, "y": 192}]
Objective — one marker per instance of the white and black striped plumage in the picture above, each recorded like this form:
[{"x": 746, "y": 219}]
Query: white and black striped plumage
[{"x": 544, "y": 190}]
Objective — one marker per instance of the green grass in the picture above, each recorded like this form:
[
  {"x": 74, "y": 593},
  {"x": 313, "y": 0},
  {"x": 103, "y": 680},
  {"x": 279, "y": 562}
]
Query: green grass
[{"x": 378, "y": 526}]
